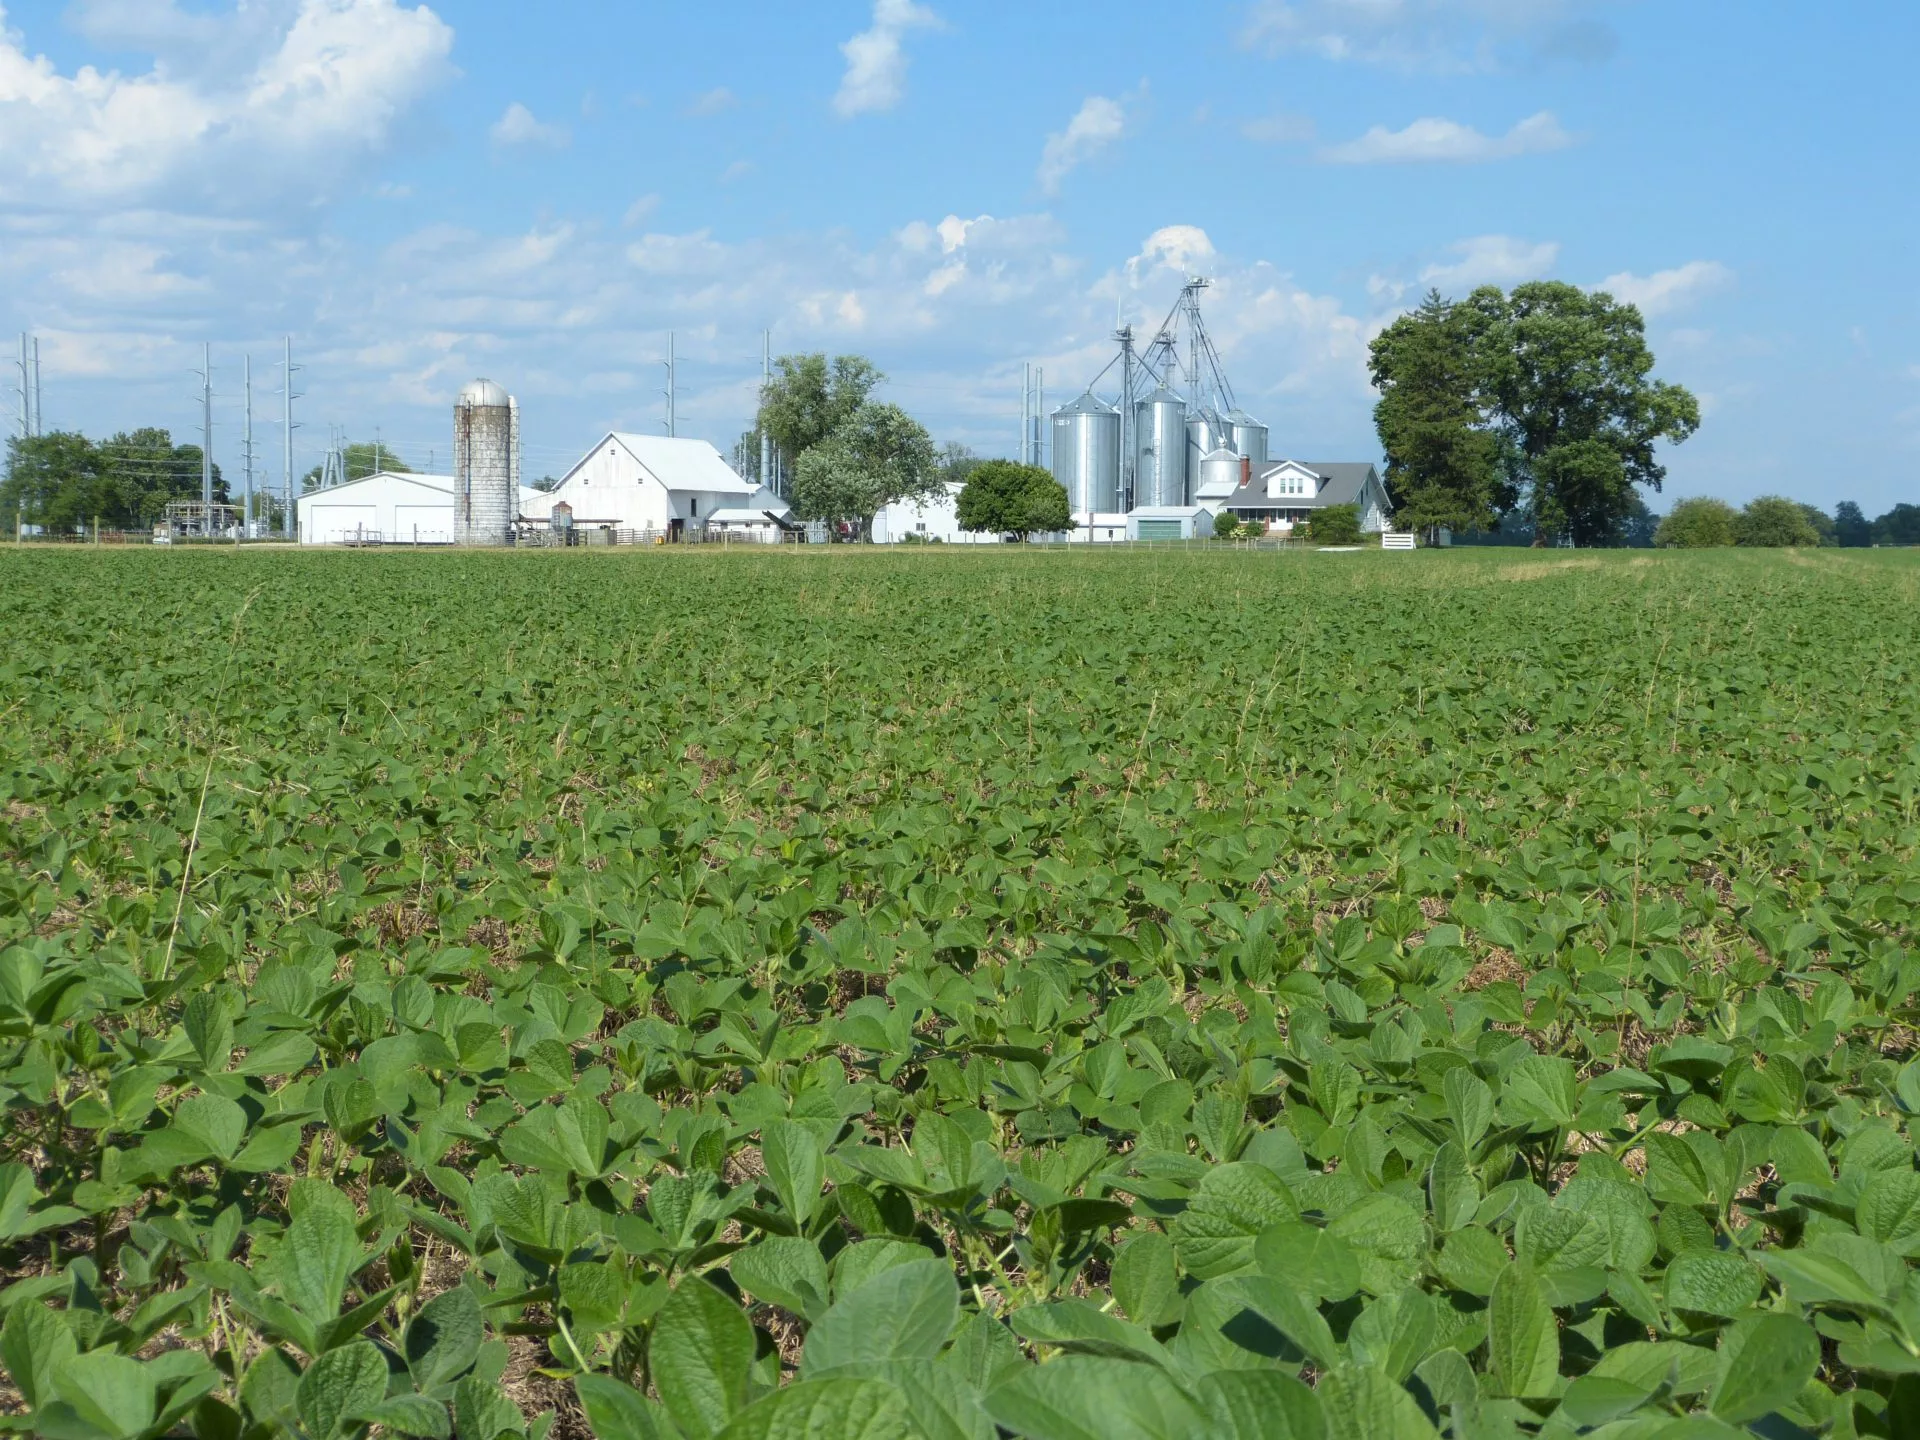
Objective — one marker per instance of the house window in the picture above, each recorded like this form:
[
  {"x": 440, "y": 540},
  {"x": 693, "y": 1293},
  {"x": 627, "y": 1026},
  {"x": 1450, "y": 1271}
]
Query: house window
[
  {"x": 921, "y": 526},
  {"x": 694, "y": 505}
]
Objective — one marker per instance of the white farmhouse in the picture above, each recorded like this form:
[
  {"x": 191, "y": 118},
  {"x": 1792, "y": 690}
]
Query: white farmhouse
[
  {"x": 650, "y": 484},
  {"x": 384, "y": 508},
  {"x": 1289, "y": 491}
]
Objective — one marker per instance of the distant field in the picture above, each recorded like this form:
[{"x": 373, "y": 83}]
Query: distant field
[{"x": 1479, "y": 983}]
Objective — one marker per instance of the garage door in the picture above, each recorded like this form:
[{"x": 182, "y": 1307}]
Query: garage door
[
  {"x": 341, "y": 524},
  {"x": 1159, "y": 529},
  {"x": 422, "y": 525}
]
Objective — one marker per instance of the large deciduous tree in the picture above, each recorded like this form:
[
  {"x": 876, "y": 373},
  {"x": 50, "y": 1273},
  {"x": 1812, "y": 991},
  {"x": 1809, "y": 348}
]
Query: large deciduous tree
[
  {"x": 1003, "y": 497},
  {"x": 64, "y": 481},
  {"x": 1851, "y": 526},
  {"x": 811, "y": 397},
  {"x": 1701, "y": 523},
  {"x": 1568, "y": 374},
  {"x": 1443, "y": 459},
  {"x": 877, "y": 456},
  {"x": 1538, "y": 406}
]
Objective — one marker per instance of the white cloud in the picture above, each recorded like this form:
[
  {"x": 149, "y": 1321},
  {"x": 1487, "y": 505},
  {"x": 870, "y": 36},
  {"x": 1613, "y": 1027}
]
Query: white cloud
[
  {"x": 1279, "y": 129},
  {"x": 293, "y": 105},
  {"x": 640, "y": 209},
  {"x": 1435, "y": 140},
  {"x": 1666, "y": 291},
  {"x": 1432, "y": 35},
  {"x": 738, "y": 170},
  {"x": 713, "y": 102},
  {"x": 518, "y": 126},
  {"x": 1095, "y": 125},
  {"x": 877, "y": 58},
  {"x": 1491, "y": 260}
]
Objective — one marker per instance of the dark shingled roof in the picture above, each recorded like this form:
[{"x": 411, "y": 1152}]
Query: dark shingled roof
[{"x": 1341, "y": 484}]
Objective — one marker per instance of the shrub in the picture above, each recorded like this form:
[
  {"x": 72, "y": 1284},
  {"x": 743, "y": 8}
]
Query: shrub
[
  {"x": 1702, "y": 523},
  {"x": 1335, "y": 525},
  {"x": 1773, "y": 521},
  {"x": 1226, "y": 525}
]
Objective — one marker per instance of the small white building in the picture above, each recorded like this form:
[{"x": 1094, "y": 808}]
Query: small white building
[
  {"x": 1170, "y": 522},
  {"x": 935, "y": 518},
  {"x": 765, "y": 519},
  {"x": 646, "y": 483},
  {"x": 1095, "y": 527},
  {"x": 385, "y": 508}
]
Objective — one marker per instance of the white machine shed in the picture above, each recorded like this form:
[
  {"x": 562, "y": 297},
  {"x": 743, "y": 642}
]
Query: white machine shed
[{"x": 381, "y": 509}]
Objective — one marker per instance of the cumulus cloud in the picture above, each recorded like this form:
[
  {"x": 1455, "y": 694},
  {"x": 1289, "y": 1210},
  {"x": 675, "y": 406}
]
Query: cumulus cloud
[
  {"x": 876, "y": 71},
  {"x": 295, "y": 103},
  {"x": 713, "y": 102},
  {"x": 1433, "y": 35},
  {"x": 1095, "y": 125},
  {"x": 1666, "y": 291},
  {"x": 1438, "y": 141},
  {"x": 518, "y": 127},
  {"x": 1491, "y": 260}
]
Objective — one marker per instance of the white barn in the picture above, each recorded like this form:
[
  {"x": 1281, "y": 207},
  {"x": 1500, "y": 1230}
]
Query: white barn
[
  {"x": 935, "y": 518},
  {"x": 652, "y": 483},
  {"x": 385, "y": 508}
]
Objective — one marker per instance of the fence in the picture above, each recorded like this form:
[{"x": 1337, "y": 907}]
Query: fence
[{"x": 1396, "y": 540}]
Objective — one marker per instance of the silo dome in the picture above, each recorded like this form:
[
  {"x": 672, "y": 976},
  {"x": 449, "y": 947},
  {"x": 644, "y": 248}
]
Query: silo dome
[{"x": 482, "y": 392}]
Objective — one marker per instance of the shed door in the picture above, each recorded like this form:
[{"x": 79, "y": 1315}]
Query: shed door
[
  {"x": 424, "y": 524},
  {"x": 335, "y": 524},
  {"x": 1159, "y": 529}
]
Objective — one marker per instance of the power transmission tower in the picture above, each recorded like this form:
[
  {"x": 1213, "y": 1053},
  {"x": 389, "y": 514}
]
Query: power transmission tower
[
  {"x": 206, "y": 434},
  {"x": 668, "y": 362},
  {"x": 288, "y": 427},
  {"x": 38, "y": 418},
  {"x": 766, "y": 379},
  {"x": 246, "y": 455},
  {"x": 26, "y": 393}
]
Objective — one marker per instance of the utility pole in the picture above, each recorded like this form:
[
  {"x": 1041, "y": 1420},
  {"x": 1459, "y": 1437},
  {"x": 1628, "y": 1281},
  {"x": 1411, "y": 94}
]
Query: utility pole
[
  {"x": 26, "y": 393},
  {"x": 287, "y": 428},
  {"x": 206, "y": 438},
  {"x": 1039, "y": 413},
  {"x": 766, "y": 380},
  {"x": 246, "y": 505},
  {"x": 39, "y": 420},
  {"x": 668, "y": 362},
  {"x": 378, "y": 465},
  {"x": 1026, "y": 411}
]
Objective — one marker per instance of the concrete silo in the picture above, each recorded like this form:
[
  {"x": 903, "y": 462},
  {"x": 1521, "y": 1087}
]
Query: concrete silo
[{"x": 486, "y": 465}]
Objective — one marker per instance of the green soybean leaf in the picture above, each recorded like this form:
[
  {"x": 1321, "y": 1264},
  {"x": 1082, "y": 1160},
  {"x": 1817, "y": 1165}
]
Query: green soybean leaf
[
  {"x": 339, "y": 1384},
  {"x": 1712, "y": 1282},
  {"x": 443, "y": 1338},
  {"x": 1215, "y": 1234},
  {"x": 845, "y": 1409},
  {"x": 1259, "y": 1405},
  {"x": 1361, "y": 1403},
  {"x": 110, "y": 1394},
  {"x": 1765, "y": 1363},
  {"x": 905, "y": 1313},
  {"x": 700, "y": 1355},
  {"x": 784, "y": 1270},
  {"x": 1523, "y": 1340},
  {"x": 617, "y": 1411},
  {"x": 795, "y": 1167},
  {"x": 1085, "y": 1397}
]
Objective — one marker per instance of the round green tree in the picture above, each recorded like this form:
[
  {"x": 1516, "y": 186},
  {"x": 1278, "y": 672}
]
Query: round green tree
[
  {"x": 1005, "y": 498},
  {"x": 1335, "y": 525},
  {"x": 1773, "y": 521},
  {"x": 1702, "y": 523}
]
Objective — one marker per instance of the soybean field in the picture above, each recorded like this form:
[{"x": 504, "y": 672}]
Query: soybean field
[{"x": 959, "y": 994}]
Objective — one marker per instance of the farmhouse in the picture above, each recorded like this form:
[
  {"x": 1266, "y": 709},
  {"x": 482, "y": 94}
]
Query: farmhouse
[
  {"x": 384, "y": 508},
  {"x": 656, "y": 484},
  {"x": 1286, "y": 492}
]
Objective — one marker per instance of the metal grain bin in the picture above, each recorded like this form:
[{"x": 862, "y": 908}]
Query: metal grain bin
[
  {"x": 486, "y": 465},
  {"x": 1086, "y": 454},
  {"x": 1207, "y": 431},
  {"x": 1160, "y": 462},
  {"x": 1249, "y": 436}
]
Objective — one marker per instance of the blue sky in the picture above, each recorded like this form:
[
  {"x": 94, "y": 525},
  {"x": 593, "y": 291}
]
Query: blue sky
[{"x": 540, "y": 192}]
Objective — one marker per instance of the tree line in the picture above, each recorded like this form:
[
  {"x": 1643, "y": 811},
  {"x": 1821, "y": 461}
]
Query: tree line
[
  {"x": 64, "y": 482},
  {"x": 1703, "y": 523}
]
